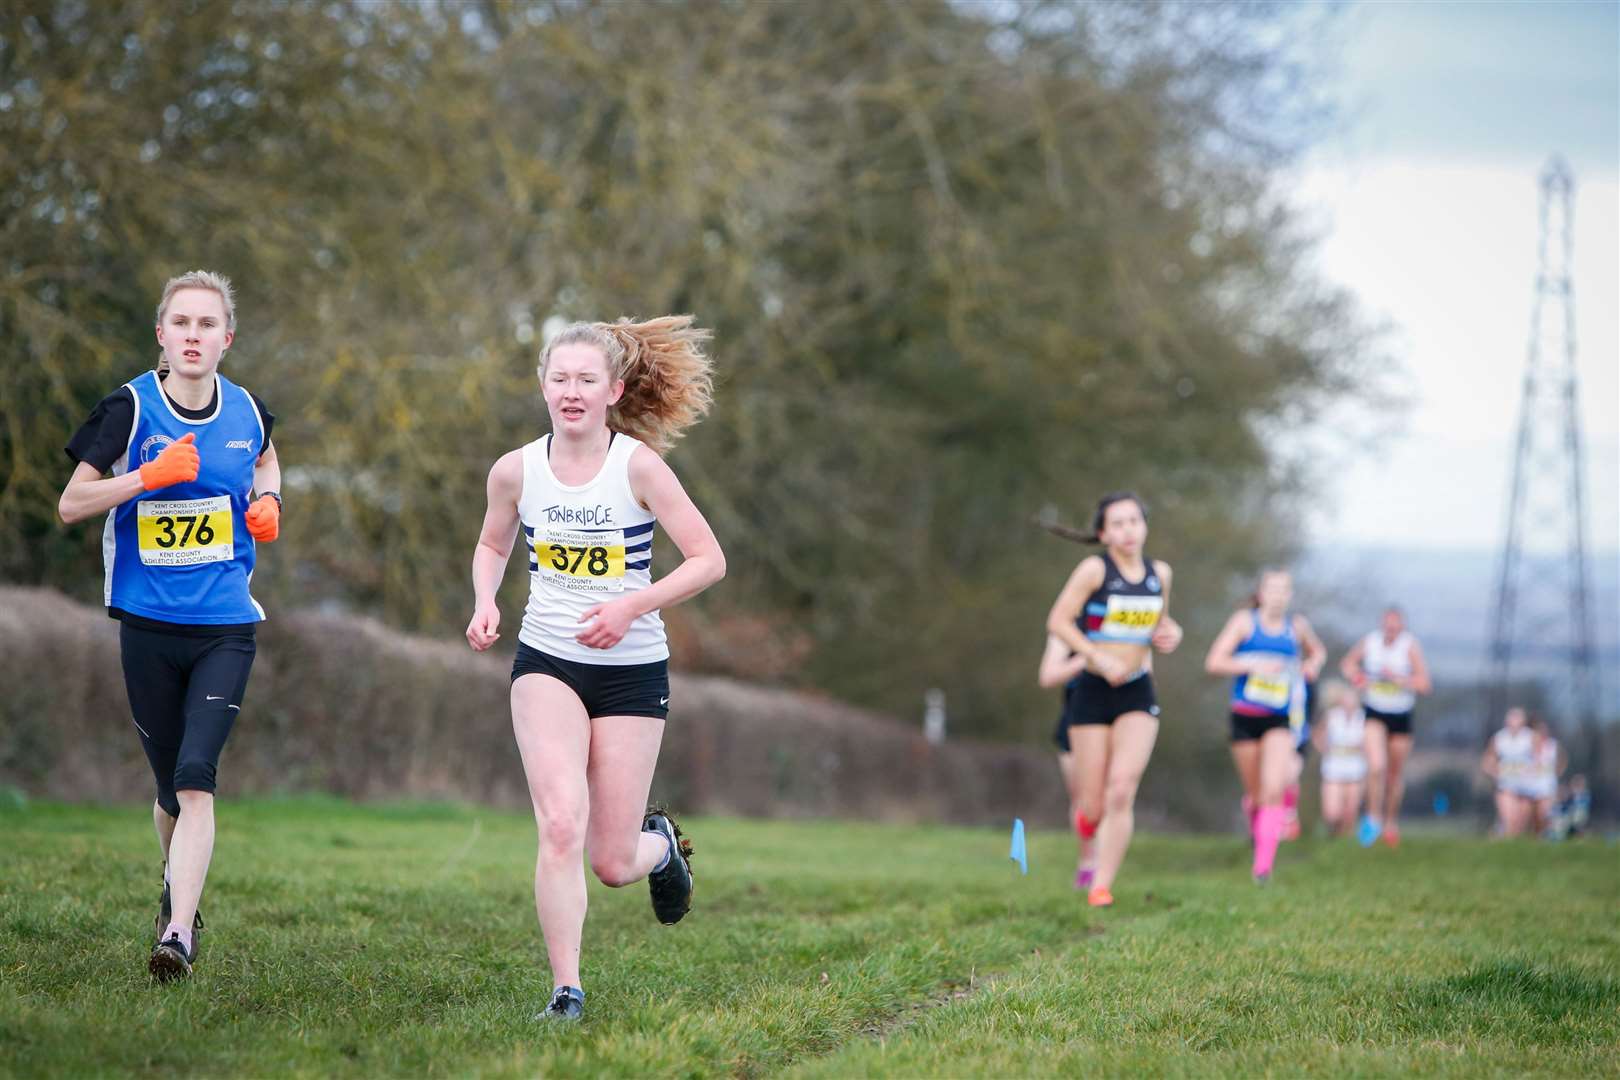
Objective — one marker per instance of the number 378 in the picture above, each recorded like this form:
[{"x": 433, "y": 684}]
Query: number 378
[{"x": 594, "y": 558}]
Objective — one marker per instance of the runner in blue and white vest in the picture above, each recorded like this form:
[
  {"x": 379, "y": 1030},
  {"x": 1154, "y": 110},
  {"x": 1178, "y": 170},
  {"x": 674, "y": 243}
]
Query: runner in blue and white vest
[
  {"x": 1270, "y": 652},
  {"x": 590, "y": 681},
  {"x": 193, "y": 491}
]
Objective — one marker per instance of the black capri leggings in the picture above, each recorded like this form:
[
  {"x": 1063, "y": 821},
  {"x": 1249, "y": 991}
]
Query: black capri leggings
[{"x": 184, "y": 691}]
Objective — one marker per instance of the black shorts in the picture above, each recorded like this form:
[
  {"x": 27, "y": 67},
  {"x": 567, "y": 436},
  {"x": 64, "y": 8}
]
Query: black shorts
[
  {"x": 1094, "y": 701},
  {"x": 185, "y": 690},
  {"x": 1249, "y": 728},
  {"x": 604, "y": 689},
  {"x": 1398, "y": 723},
  {"x": 1060, "y": 736}
]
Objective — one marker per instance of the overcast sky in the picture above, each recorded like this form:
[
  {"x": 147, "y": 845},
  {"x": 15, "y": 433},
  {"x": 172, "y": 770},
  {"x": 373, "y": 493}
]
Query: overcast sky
[{"x": 1427, "y": 203}]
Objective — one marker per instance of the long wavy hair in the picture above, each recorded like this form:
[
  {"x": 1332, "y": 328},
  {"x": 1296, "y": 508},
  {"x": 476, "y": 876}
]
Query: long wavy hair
[{"x": 668, "y": 376}]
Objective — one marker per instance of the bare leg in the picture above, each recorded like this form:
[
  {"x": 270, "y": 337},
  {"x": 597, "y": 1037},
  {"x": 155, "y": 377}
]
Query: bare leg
[
  {"x": 554, "y": 738},
  {"x": 164, "y": 824},
  {"x": 1131, "y": 741},
  {"x": 1335, "y": 805},
  {"x": 624, "y": 752},
  {"x": 1246, "y": 759},
  {"x": 1089, "y": 743},
  {"x": 191, "y": 848},
  {"x": 1376, "y": 743},
  {"x": 1066, "y": 768},
  {"x": 1395, "y": 785}
]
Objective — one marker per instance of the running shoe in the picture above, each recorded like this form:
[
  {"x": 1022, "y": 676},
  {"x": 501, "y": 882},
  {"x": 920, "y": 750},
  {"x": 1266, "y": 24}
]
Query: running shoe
[
  {"x": 1368, "y": 831},
  {"x": 567, "y": 1003},
  {"x": 1291, "y": 826},
  {"x": 171, "y": 959},
  {"x": 1263, "y": 879},
  {"x": 671, "y": 887},
  {"x": 1392, "y": 835},
  {"x": 1100, "y": 897},
  {"x": 165, "y": 915}
]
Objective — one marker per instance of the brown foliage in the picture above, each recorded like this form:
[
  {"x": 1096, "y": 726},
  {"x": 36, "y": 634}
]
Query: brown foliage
[{"x": 344, "y": 705}]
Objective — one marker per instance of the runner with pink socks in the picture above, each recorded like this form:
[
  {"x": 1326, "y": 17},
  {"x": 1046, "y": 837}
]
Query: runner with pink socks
[{"x": 1270, "y": 653}]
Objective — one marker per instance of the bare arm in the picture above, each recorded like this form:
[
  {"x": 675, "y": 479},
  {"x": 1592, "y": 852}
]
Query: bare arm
[
  {"x": 1060, "y": 621},
  {"x": 267, "y": 471},
  {"x": 1315, "y": 651},
  {"x": 1220, "y": 659},
  {"x": 1167, "y": 635},
  {"x": 87, "y": 495},
  {"x": 1419, "y": 682},
  {"x": 1350, "y": 666},
  {"x": 494, "y": 547},
  {"x": 1058, "y": 664},
  {"x": 656, "y": 487},
  {"x": 1488, "y": 764}
]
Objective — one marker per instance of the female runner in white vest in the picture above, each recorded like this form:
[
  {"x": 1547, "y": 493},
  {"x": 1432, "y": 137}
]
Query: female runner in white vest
[
  {"x": 1340, "y": 736},
  {"x": 1509, "y": 761},
  {"x": 1388, "y": 667},
  {"x": 590, "y": 686}
]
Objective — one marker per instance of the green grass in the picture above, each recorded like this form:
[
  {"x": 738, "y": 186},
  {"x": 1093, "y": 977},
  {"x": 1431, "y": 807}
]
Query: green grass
[{"x": 396, "y": 940}]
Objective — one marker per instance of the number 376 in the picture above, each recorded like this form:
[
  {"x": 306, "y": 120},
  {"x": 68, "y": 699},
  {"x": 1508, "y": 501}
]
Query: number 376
[{"x": 197, "y": 528}]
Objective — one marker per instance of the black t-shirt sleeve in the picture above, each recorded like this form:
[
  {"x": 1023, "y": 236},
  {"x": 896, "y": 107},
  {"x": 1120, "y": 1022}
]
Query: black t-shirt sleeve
[
  {"x": 266, "y": 415},
  {"x": 102, "y": 439}
]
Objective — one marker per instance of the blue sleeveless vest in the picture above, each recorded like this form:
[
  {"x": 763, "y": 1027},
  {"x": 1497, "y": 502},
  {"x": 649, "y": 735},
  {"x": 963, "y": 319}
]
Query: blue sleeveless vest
[
  {"x": 182, "y": 554},
  {"x": 1268, "y": 695}
]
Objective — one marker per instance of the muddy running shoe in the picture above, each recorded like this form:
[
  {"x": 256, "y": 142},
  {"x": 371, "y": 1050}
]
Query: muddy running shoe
[
  {"x": 671, "y": 885},
  {"x": 567, "y": 1003},
  {"x": 165, "y": 915},
  {"x": 171, "y": 959}
]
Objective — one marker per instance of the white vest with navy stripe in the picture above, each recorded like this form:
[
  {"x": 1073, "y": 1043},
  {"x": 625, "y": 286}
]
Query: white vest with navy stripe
[
  {"x": 587, "y": 544},
  {"x": 182, "y": 553}
]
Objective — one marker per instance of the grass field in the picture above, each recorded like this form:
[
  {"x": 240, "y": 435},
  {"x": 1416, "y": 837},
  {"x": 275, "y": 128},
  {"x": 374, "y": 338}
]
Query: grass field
[{"x": 370, "y": 941}]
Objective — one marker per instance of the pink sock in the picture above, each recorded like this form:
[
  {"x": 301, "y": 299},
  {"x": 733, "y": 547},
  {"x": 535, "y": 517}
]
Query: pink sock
[
  {"x": 1268, "y": 827},
  {"x": 1290, "y": 796},
  {"x": 184, "y": 933}
]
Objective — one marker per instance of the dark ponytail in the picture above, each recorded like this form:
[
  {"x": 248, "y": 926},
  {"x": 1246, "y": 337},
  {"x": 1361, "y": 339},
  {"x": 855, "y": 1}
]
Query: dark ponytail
[{"x": 1069, "y": 532}]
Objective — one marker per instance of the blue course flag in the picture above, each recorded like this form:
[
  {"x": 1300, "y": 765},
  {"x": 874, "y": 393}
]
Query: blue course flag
[
  {"x": 1442, "y": 803},
  {"x": 1017, "y": 854}
]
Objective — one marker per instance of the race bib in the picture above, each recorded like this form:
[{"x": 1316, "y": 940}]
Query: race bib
[
  {"x": 1386, "y": 689},
  {"x": 185, "y": 532},
  {"x": 1132, "y": 616},
  {"x": 583, "y": 562},
  {"x": 1272, "y": 691}
]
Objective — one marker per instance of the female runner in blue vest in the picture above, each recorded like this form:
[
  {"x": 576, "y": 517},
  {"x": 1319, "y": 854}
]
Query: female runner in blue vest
[
  {"x": 590, "y": 683},
  {"x": 1271, "y": 654},
  {"x": 187, "y": 448},
  {"x": 1111, "y": 611}
]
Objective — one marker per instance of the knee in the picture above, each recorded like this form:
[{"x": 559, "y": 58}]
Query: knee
[
  {"x": 1120, "y": 795},
  {"x": 562, "y": 835},
  {"x": 614, "y": 869},
  {"x": 194, "y": 776},
  {"x": 193, "y": 801}
]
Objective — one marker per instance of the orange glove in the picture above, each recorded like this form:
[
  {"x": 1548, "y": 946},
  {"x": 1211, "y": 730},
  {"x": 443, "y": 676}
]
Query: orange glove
[
  {"x": 264, "y": 518},
  {"x": 177, "y": 464}
]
